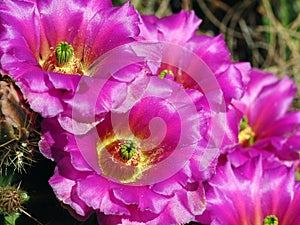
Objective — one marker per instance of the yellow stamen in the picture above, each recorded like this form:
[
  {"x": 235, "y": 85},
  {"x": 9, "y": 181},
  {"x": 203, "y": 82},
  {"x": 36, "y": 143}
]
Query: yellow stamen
[{"x": 246, "y": 135}]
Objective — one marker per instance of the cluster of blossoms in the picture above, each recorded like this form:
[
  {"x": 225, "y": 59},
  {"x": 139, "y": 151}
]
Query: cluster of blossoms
[{"x": 149, "y": 123}]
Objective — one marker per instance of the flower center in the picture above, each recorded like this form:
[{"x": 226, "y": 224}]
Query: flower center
[
  {"x": 271, "y": 220},
  {"x": 246, "y": 134},
  {"x": 62, "y": 60},
  {"x": 128, "y": 149},
  {"x": 125, "y": 152},
  {"x": 123, "y": 159}
]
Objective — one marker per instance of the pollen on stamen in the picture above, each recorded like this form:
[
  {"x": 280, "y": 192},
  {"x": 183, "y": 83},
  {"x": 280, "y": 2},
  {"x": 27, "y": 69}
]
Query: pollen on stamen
[{"x": 246, "y": 135}]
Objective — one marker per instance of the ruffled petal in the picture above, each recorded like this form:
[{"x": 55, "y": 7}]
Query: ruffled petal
[
  {"x": 64, "y": 190},
  {"x": 57, "y": 27},
  {"x": 212, "y": 50},
  {"x": 177, "y": 28},
  {"x": 272, "y": 103},
  {"x": 96, "y": 192},
  {"x": 108, "y": 29},
  {"x": 40, "y": 103},
  {"x": 19, "y": 17},
  {"x": 143, "y": 197}
]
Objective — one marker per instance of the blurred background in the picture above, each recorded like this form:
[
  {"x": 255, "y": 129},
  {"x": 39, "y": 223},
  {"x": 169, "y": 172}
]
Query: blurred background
[{"x": 263, "y": 32}]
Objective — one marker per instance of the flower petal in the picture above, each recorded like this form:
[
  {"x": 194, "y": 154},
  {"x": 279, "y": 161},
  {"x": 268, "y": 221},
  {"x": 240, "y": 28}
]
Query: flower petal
[
  {"x": 108, "y": 29},
  {"x": 143, "y": 197},
  {"x": 96, "y": 192},
  {"x": 177, "y": 28}
]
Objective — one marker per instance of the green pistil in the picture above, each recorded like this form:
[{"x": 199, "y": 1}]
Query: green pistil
[
  {"x": 127, "y": 150},
  {"x": 271, "y": 220},
  {"x": 165, "y": 72},
  {"x": 64, "y": 52},
  {"x": 297, "y": 174},
  {"x": 244, "y": 123}
]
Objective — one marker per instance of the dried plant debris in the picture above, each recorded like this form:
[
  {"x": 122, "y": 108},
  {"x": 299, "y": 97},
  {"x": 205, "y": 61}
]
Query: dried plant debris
[
  {"x": 12, "y": 199},
  {"x": 19, "y": 129}
]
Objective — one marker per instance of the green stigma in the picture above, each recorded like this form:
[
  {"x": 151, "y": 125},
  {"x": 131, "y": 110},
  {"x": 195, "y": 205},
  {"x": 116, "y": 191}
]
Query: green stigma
[
  {"x": 127, "y": 150},
  {"x": 165, "y": 72},
  {"x": 271, "y": 220},
  {"x": 64, "y": 52},
  {"x": 244, "y": 123}
]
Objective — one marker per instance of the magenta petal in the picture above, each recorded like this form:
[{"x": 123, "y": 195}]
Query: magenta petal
[
  {"x": 267, "y": 99},
  {"x": 86, "y": 144},
  {"x": 212, "y": 50},
  {"x": 200, "y": 171},
  {"x": 293, "y": 143},
  {"x": 39, "y": 84},
  {"x": 194, "y": 198},
  {"x": 22, "y": 15},
  {"x": 257, "y": 80},
  {"x": 170, "y": 186},
  {"x": 293, "y": 208},
  {"x": 84, "y": 105},
  {"x": 284, "y": 125},
  {"x": 63, "y": 189},
  {"x": 76, "y": 127},
  {"x": 67, "y": 170},
  {"x": 186, "y": 24},
  {"x": 13, "y": 63},
  {"x": 143, "y": 197},
  {"x": 64, "y": 81},
  {"x": 78, "y": 208},
  {"x": 109, "y": 91},
  {"x": 129, "y": 222},
  {"x": 40, "y": 102},
  {"x": 174, "y": 213},
  {"x": 177, "y": 28},
  {"x": 58, "y": 27},
  {"x": 54, "y": 135},
  {"x": 95, "y": 191},
  {"x": 107, "y": 30},
  {"x": 45, "y": 145},
  {"x": 79, "y": 162},
  {"x": 273, "y": 102},
  {"x": 136, "y": 217},
  {"x": 231, "y": 83}
]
